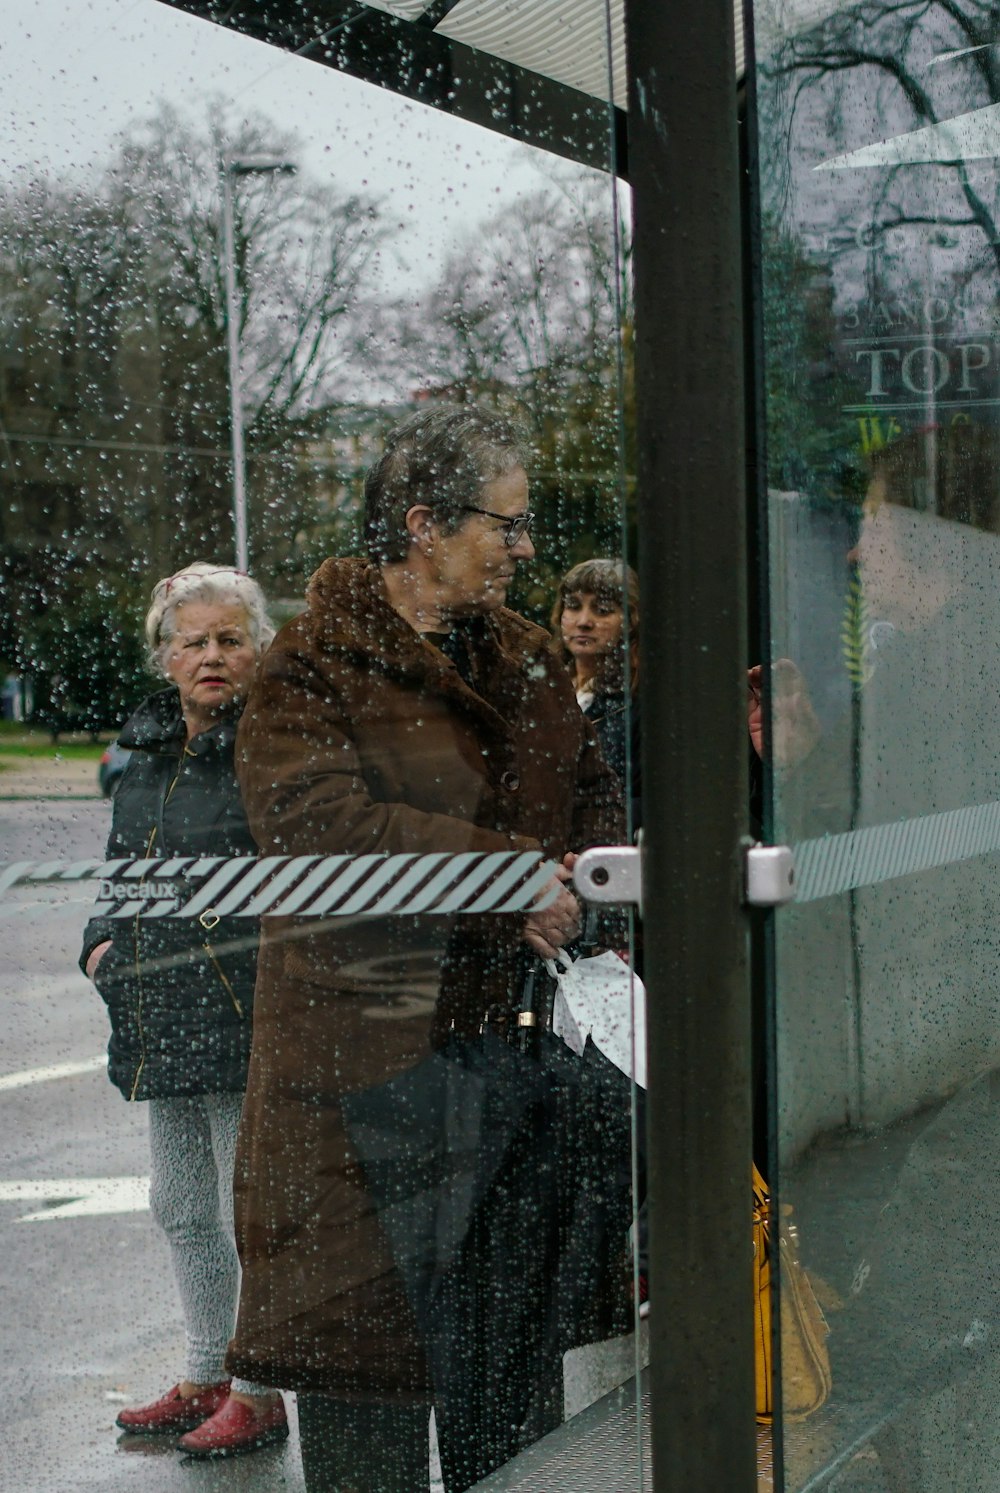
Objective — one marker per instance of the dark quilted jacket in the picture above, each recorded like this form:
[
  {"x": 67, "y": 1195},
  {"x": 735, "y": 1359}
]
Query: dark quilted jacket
[{"x": 179, "y": 991}]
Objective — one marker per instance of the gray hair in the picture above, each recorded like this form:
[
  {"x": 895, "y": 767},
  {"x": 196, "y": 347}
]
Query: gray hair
[
  {"x": 441, "y": 457},
  {"x": 201, "y": 581}
]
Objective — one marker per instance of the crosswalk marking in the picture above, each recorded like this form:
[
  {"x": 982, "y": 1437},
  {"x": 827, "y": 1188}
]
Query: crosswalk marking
[
  {"x": 52, "y": 1070},
  {"x": 78, "y": 1197}
]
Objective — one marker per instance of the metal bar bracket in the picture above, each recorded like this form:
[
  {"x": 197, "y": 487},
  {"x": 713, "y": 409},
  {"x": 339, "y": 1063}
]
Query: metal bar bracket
[
  {"x": 769, "y": 876},
  {"x": 610, "y": 874}
]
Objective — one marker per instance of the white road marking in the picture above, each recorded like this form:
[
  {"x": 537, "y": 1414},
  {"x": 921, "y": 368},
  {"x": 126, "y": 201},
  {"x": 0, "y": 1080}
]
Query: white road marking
[
  {"x": 52, "y": 1070},
  {"x": 83, "y": 1197},
  {"x": 16, "y": 904}
]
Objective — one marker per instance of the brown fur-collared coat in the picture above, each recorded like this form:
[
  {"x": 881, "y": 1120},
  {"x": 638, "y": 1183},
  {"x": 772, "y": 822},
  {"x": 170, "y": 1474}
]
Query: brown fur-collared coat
[{"x": 361, "y": 736}]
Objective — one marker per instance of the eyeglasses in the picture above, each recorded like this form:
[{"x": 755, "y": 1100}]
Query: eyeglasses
[{"x": 520, "y": 524}]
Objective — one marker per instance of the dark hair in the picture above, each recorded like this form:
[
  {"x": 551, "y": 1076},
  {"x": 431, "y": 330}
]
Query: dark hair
[
  {"x": 615, "y": 582},
  {"x": 947, "y": 470},
  {"x": 442, "y": 457}
]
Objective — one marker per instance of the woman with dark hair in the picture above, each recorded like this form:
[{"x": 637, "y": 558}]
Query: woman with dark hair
[
  {"x": 595, "y": 628},
  {"x": 597, "y": 601}
]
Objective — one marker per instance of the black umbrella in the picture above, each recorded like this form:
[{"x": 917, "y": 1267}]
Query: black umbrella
[{"x": 431, "y": 1140}]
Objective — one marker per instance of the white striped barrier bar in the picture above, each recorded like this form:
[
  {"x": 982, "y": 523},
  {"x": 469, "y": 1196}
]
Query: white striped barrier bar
[
  {"x": 304, "y": 885},
  {"x": 834, "y": 864},
  {"x": 475, "y": 882}
]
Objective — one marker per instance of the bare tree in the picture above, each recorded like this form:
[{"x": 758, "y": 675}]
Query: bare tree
[
  {"x": 114, "y": 421},
  {"x": 533, "y": 312},
  {"x": 539, "y": 286},
  {"x": 303, "y": 257}
]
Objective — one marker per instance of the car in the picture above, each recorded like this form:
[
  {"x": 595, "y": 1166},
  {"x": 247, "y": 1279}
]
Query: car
[{"x": 114, "y": 760}]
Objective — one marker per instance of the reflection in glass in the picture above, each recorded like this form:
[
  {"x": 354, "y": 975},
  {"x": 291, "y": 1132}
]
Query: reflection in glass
[{"x": 879, "y": 204}]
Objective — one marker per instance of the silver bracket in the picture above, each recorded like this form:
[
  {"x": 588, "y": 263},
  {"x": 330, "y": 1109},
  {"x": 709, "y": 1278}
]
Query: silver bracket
[
  {"x": 769, "y": 876},
  {"x": 610, "y": 873}
]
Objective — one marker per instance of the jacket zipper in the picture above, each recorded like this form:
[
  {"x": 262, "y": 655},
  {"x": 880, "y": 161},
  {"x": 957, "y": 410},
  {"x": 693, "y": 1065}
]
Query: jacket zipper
[
  {"x": 222, "y": 976},
  {"x": 135, "y": 940}
]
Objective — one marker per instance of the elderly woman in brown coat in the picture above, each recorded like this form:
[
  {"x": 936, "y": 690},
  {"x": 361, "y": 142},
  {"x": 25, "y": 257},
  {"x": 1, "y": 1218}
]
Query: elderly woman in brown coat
[{"x": 406, "y": 711}]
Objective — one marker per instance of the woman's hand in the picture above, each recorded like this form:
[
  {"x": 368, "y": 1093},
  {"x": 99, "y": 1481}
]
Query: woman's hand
[
  {"x": 95, "y": 956},
  {"x": 549, "y": 929},
  {"x": 755, "y": 710},
  {"x": 795, "y": 726}
]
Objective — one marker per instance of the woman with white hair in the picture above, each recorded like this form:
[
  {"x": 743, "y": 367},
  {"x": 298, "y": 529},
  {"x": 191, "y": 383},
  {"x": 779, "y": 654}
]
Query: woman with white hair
[{"x": 179, "y": 990}]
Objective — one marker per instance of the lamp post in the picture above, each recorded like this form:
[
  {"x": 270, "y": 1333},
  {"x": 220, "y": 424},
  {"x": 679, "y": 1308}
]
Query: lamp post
[{"x": 230, "y": 167}]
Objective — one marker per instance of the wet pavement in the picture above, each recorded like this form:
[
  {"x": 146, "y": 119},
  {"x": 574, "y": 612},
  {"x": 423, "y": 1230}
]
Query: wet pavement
[
  {"x": 90, "y": 1312},
  {"x": 91, "y": 1319}
]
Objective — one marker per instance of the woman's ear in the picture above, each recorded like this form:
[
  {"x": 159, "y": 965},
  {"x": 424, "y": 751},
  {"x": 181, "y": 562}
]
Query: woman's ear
[{"x": 421, "y": 527}]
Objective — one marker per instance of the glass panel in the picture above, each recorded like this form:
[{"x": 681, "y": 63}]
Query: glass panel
[
  {"x": 259, "y": 315},
  {"x": 879, "y": 240}
]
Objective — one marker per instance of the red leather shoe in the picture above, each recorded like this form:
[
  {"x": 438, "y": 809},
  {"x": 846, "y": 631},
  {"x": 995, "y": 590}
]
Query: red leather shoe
[
  {"x": 172, "y": 1412},
  {"x": 236, "y": 1427}
]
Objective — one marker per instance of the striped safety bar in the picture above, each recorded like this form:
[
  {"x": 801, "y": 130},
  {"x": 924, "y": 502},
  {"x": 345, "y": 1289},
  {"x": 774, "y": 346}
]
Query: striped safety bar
[{"x": 304, "y": 885}]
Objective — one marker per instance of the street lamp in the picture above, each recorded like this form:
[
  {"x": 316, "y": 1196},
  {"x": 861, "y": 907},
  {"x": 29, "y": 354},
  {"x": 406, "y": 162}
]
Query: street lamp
[{"x": 230, "y": 167}]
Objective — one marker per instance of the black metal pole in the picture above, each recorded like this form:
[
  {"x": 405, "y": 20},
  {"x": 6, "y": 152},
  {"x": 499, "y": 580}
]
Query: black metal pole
[{"x": 683, "y": 165}]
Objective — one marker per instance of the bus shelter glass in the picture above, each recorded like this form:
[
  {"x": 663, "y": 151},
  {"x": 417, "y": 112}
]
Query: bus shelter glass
[
  {"x": 362, "y": 366},
  {"x": 878, "y": 227}
]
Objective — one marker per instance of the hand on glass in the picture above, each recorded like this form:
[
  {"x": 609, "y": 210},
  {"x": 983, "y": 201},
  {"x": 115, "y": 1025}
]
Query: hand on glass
[
  {"x": 548, "y": 929},
  {"x": 95, "y": 956},
  {"x": 794, "y": 726}
]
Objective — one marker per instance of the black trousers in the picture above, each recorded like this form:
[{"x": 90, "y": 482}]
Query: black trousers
[{"x": 363, "y": 1448}]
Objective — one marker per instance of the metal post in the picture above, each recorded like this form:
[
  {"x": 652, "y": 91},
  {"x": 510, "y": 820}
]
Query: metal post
[
  {"x": 683, "y": 165},
  {"x": 228, "y": 168},
  {"x": 235, "y": 389}
]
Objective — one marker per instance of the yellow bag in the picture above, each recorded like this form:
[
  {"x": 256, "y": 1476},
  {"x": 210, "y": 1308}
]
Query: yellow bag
[{"x": 805, "y": 1362}]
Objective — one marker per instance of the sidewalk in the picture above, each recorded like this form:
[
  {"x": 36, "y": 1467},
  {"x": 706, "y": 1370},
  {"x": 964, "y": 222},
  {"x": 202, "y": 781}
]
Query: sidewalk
[{"x": 47, "y": 777}]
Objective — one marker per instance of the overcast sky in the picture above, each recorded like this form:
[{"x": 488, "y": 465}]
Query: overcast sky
[{"x": 75, "y": 74}]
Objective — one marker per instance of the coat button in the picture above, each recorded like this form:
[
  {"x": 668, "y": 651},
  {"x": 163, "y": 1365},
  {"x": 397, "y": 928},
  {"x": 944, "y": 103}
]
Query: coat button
[{"x": 511, "y": 781}]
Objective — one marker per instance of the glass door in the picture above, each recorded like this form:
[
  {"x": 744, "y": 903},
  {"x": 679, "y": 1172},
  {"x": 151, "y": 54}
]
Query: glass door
[
  {"x": 320, "y": 642},
  {"x": 878, "y": 244}
]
